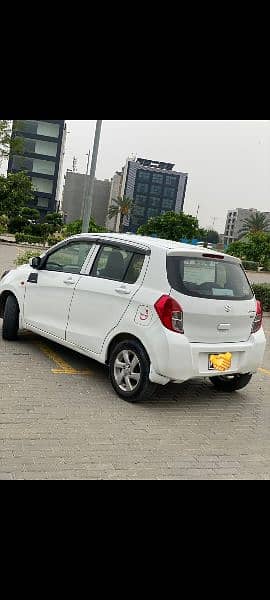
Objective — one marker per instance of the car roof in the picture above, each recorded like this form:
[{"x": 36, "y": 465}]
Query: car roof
[{"x": 147, "y": 242}]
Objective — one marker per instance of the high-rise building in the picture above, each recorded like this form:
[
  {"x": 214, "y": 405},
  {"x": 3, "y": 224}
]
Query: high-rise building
[
  {"x": 73, "y": 197},
  {"x": 155, "y": 189},
  {"x": 42, "y": 159},
  {"x": 235, "y": 221}
]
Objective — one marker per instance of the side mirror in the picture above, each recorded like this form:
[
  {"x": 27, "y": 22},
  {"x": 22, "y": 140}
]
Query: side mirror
[{"x": 35, "y": 262}]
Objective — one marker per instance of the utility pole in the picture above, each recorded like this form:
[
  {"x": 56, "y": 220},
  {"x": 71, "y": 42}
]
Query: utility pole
[
  {"x": 90, "y": 186},
  {"x": 85, "y": 184}
]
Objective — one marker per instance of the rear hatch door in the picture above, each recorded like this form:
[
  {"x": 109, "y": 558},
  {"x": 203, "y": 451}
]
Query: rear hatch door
[{"x": 215, "y": 295}]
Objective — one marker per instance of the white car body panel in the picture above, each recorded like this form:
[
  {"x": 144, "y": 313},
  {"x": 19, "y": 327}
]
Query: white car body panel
[{"x": 87, "y": 313}]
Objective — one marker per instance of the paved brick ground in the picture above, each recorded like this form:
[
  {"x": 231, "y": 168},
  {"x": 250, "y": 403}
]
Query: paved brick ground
[{"x": 74, "y": 426}]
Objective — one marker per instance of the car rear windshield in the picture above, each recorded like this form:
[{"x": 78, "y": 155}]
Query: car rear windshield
[{"x": 207, "y": 278}]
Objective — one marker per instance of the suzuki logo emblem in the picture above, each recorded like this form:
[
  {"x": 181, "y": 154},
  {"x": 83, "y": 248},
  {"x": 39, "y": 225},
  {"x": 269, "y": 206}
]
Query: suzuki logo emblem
[{"x": 228, "y": 308}]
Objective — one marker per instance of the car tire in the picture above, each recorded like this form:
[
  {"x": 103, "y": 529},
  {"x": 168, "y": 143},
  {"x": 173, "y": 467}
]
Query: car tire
[
  {"x": 129, "y": 368},
  {"x": 11, "y": 319},
  {"x": 231, "y": 383}
]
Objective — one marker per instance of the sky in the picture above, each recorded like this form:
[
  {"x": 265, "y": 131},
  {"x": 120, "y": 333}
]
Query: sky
[{"x": 228, "y": 162}]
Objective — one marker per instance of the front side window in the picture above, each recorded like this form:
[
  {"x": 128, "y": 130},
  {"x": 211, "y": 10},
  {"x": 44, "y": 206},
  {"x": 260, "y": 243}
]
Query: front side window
[
  {"x": 207, "y": 278},
  {"x": 69, "y": 259}
]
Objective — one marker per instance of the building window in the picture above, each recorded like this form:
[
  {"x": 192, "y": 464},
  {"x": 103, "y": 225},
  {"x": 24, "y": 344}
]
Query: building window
[
  {"x": 142, "y": 188},
  {"x": 157, "y": 178},
  {"x": 42, "y": 185},
  {"x": 167, "y": 204},
  {"x": 42, "y": 203},
  {"x": 138, "y": 211},
  {"x": 46, "y": 148},
  {"x": 39, "y": 128},
  {"x": 156, "y": 189},
  {"x": 143, "y": 175},
  {"x": 48, "y": 129},
  {"x": 45, "y": 167},
  {"x": 39, "y": 147},
  {"x": 171, "y": 180},
  {"x": 169, "y": 193},
  {"x": 152, "y": 212},
  {"x": 23, "y": 163},
  {"x": 141, "y": 200},
  {"x": 154, "y": 201}
]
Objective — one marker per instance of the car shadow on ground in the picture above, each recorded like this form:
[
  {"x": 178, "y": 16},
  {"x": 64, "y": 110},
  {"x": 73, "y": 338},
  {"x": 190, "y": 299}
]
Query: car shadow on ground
[{"x": 191, "y": 393}]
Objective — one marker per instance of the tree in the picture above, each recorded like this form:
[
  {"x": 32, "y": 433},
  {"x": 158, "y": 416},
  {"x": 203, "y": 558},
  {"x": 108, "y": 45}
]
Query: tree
[
  {"x": 255, "y": 224},
  {"x": 212, "y": 236},
  {"x": 238, "y": 249},
  {"x": 16, "y": 191},
  {"x": 76, "y": 227},
  {"x": 9, "y": 144},
  {"x": 171, "y": 226},
  {"x": 3, "y": 223},
  {"x": 122, "y": 207},
  {"x": 30, "y": 214},
  {"x": 255, "y": 248},
  {"x": 55, "y": 220}
]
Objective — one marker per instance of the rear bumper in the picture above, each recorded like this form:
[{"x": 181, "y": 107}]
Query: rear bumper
[{"x": 181, "y": 360}]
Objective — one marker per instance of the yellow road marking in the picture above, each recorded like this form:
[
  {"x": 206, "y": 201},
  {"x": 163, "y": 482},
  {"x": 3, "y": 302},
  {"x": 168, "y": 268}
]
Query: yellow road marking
[
  {"x": 63, "y": 367},
  {"x": 265, "y": 371}
]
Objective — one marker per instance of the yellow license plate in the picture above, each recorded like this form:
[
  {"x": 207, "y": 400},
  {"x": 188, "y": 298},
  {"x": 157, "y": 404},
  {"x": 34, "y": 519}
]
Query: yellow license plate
[{"x": 220, "y": 362}]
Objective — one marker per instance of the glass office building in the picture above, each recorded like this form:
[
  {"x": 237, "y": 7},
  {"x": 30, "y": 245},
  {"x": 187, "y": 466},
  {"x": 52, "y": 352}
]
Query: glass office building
[
  {"x": 155, "y": 189},
  {"x": 42, "y": 157}
]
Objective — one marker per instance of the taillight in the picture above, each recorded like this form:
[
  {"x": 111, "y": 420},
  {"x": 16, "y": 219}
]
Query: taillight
[
  {"x": 170, "y": 313},
  {"x": 257, "y": 323}
]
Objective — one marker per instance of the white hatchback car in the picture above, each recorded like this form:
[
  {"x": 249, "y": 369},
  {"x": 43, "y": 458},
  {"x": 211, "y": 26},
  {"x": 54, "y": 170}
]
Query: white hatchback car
[{"x": 153, "y": 310}]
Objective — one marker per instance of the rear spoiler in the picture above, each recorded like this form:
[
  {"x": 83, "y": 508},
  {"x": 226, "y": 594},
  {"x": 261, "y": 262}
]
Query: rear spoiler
[{"x": 204, "y": 253}]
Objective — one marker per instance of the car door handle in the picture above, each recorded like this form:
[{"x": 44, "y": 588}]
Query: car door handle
[
  {"x": 122, "y": 290},
  {"x": 69, "y": 281}
]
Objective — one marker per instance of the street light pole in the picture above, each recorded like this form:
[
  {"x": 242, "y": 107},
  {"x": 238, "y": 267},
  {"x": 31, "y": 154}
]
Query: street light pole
[
  {"x": 90, "y": 187},
  {"x": 85, "y": 184}
]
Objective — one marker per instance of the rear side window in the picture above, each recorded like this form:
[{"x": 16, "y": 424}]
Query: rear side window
[
  {"x": 207, "y": 278},
  {"x": 117, "y": 264},
  {"x": 134, "y": 269}
]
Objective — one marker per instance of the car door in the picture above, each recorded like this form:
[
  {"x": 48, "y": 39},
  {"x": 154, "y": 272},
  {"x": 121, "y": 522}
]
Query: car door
[
  {"x": 49, "y": 290},
  {"x": 101, "y": 299}
]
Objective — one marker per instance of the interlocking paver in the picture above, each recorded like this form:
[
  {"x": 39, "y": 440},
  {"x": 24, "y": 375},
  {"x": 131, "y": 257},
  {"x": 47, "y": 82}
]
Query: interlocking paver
[{"x": 75, "y": 427}]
